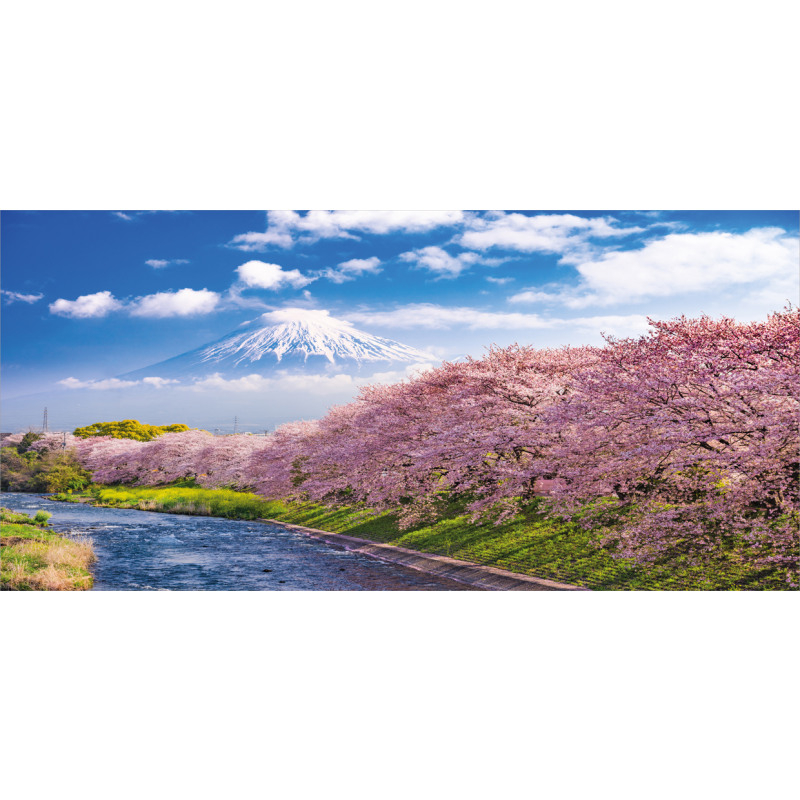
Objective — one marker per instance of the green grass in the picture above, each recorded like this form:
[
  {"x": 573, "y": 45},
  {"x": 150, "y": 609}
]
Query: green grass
[
  {"x": 33, "y": 556},
  {"x": 178, "y": 499},
  {"x": 534, "y": 543}
]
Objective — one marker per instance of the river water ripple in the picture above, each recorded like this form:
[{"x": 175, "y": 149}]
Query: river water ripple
[{"x": 145, "y": 550}]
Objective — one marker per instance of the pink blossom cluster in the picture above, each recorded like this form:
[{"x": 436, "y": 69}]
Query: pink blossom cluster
[
  {"x": 213, "y": 461},
  {"x": 46, "y": 443},
  {"x": 673, "y": 440}
]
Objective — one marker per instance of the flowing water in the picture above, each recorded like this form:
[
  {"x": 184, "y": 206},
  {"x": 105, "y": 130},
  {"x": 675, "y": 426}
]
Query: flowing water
[{"x": 151, "y": 550}]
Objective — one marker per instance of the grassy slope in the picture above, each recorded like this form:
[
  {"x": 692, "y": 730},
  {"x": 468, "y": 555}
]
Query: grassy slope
[
  {"x": 35, "y": 557},
  {"x": 534, "y": 543}
]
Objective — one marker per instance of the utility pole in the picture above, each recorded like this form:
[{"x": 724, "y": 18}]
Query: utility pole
[
  {"x": 216, "y": 431},
  {"x": 44, "y": 420},
  {"x": 235, "y": 425},
  {"x": 64, "y": 441}
]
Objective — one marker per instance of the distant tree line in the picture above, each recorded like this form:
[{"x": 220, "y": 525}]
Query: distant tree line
[
  {"x": 34, "y": 462},
  {"x": 48, "y": 462}
]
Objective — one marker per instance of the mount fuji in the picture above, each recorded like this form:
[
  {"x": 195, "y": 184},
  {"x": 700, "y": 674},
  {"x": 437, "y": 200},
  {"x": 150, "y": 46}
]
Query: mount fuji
[
  {"x": 289, "y": 340},
  {"x": 293, "y": 363}
]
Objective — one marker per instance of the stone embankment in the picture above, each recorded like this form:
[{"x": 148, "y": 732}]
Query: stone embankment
[{"x": 490, "y": 578}]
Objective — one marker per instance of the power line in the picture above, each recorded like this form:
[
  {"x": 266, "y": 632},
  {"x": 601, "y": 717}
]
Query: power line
[{"x": 44, "y": 420}]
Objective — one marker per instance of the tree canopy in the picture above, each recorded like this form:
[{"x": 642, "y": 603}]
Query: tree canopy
[
  {"x": 128, "y": 429},
  {"x": 677, "y": 441}
]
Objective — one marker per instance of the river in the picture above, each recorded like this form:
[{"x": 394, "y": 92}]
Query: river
[{"x": 146, "y": 550}]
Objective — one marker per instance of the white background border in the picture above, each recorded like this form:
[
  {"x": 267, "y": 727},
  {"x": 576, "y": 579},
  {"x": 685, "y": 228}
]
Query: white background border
[{"x": 688, "y": 105}]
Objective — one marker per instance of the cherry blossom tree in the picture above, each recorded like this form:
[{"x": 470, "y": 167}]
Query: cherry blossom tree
[
  {"x": 224, "y": 461},
  {"x": 690, "y": 430},
  {"x": 675, "y": 441}
]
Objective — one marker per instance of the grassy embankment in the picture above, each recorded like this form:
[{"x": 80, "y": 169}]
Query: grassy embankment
[
  {"x": 533, "y": 543},
  {"x": 35, "y": 557}
]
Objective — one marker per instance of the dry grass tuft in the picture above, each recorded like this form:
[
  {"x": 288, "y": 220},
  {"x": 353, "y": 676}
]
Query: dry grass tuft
[
  {"x": 70, "y": 553},
  {"x": 56, "y": 565}
]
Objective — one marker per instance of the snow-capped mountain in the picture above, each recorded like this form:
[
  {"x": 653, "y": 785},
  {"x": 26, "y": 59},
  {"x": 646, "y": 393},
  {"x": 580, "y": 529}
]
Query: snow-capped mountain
[{"x": 290, "y": 339}]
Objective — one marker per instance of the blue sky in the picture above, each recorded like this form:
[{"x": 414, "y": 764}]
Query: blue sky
[{"x": 89, "y": 295}]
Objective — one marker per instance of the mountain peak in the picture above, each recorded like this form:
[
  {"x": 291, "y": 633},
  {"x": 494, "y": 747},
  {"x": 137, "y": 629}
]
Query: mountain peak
[{"x": 286, "y": 338}]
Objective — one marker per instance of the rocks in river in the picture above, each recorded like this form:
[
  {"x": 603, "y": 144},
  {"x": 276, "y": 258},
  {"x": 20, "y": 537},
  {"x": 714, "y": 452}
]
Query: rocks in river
[{"x": 266, "y": 570}]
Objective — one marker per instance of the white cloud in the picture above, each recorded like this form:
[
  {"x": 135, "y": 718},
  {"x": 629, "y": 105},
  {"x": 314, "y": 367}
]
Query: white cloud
[
  {"x": 183, "y": 303},
  {"x": 499, "y": 281},
  {"x": 439, "y": 261},
  {"x": 14, "y": 297},
  {"x": 298, "y": 313},
  {"x": 322, "y": 385},
  {"x": 536, "y": 296},
  {"x": 260, "y": 275},
  {"x": 350, "y": 270},
  {"x": 693, "y": 262},
  {"x": 160, "y": 263},
  {"x": 567, "y": 235},
  {"x": 86, "y": 306},
  {"x": 761, "y": 262},
  {"x": 109, "y": 383},
  {"x": 432, "y": 316},
  {"x": 315, "y": 384},
  {"x": 158, "y": 383},
  {"x": 131, "y": 216},
  {"x": 395, "y": 376},
  {"x": 284, "y": 228}
]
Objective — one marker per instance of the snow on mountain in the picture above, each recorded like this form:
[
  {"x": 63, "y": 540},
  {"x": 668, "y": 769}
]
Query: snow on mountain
[{"x": 289, "y": 339}]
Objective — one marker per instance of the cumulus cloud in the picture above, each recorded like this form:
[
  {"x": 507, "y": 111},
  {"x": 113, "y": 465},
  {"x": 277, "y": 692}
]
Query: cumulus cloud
[
  {"x": 761, "y": 261},
  {"x": 693, "y": 262},
  {"x": 183, "y": 303},
  {"x": 285, "y": 228},
  {"x": 260, "y": 275},
  {"x": 18, "y": 297},
  {"x": 108, "y": 383},
  {"x": 160, "y": 263},
  {"x": 352, "y": 269},
  {"x": 86, "y": 306},
  {"x": 439, "y": 261},
  {"x": 567, "y": 235}
]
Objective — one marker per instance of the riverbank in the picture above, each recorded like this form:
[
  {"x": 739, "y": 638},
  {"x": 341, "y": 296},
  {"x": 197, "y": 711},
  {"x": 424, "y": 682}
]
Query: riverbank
[
  {"x": 33, "y": 557},
  {"x": 476, "y": 575},
  {"x": 534, "y": 543}
]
